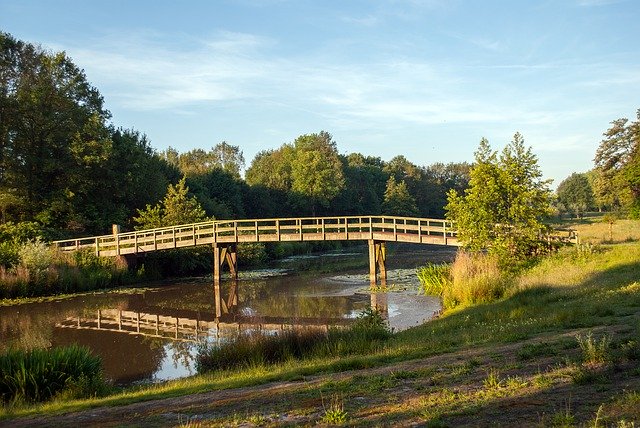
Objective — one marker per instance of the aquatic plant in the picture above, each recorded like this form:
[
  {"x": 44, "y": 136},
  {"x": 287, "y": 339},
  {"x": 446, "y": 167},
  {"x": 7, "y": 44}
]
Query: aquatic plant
[
  {"x": 434, "y": 278},
  {"x": 367, "y": 334},
  {"x": 41, "y": 374}
]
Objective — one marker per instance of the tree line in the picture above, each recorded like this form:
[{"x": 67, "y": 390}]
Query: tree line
[{"x": 67, "y": 169}]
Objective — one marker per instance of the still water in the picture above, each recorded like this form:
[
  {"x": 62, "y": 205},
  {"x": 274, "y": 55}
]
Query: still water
[{"x": 152, "y": 334}]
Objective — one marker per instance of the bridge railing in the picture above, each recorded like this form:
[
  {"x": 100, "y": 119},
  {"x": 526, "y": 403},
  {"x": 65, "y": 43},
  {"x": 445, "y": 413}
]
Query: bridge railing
[
  {"x": 386, "y": 228},
  {"x": 405, "y": 229}
]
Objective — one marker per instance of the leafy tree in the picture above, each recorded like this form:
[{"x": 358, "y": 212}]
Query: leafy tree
[
  {"x": 503, "y": 208},
  {"x": 222, "y": 156},
  {"x": 52, "y": 135},
  {"x": 365, "y": 183},
  {"x": 272, "y": 168},
  {"x": 177, "y": 207},
  {"x": 317, "y": 171},
  {"x": 229, "y": 158},
  {"x": 575, "y": 194},
  {"x": 618, "y": 162},
  {"x": 220, "y": 193},
  {"x": 397, "y": 200}
]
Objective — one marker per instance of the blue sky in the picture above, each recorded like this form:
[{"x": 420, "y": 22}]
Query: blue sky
[{"x": 423, "y": 78}]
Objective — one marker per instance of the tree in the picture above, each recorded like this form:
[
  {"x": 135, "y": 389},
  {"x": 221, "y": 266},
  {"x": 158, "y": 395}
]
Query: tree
[
  {"x": 177, "y": 207},
  {"x": 229, "y": 158},
  {"x": 397, "y": 200},
  {"x": 575, "y": 194},
  {"x": 272, "y": 168},
  {"x": 365, "y": 183},
  {"x": 53, "y": 135},
  {"x": 439, "y": 179},
  {"x": 618, "y": 161},
  {"x": 200, "y": 162},
  {"x": 503, "y": 208},
  {"x": 317, "y": 170}
]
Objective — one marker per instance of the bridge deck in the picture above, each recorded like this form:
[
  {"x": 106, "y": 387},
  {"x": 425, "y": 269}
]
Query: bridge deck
[{"x": 379, "y": 228}]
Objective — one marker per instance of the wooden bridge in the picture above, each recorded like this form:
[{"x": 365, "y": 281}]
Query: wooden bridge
[{"x": 223, "y": 235}]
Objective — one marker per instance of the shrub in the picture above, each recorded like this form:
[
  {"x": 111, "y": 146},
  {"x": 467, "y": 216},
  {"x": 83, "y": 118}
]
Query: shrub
[
  {"x": 594, "y": 353},
  {"x": 40, "y": 374},
  {"x": 335, "y": 413},
  {"x": 36, "y": 257}
]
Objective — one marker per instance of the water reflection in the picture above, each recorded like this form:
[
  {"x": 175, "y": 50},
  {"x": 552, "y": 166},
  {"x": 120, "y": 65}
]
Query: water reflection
[{"x": 152, "y": 334}]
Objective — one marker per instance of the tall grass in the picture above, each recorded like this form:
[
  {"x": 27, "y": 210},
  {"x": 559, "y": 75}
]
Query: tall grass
[
  {"x": 44, "y": 271},
  {"x": 368, "y": 334},
  {"x": 471, "y": 279},
  {"x": 475, "y": 278},
  {"x": 40, "y": 374},
  {"x": 434, "y": 278}
]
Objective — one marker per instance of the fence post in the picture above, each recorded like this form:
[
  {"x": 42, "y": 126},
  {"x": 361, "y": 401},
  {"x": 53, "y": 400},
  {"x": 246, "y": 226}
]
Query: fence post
[{"x": 444, "y": 231}]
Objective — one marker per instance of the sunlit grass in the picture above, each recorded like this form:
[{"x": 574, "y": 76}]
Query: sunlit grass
[{"x": 598, "y": 230}]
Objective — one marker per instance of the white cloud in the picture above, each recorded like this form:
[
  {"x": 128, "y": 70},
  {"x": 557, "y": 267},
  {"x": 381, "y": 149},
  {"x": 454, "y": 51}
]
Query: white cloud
[
  {"x": 150, "y": 75},
  {"x": 365, "y": 21}
]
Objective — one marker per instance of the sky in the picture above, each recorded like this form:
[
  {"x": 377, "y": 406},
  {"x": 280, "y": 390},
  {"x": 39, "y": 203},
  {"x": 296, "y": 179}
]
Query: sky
[{"x": 426, "y": 79}]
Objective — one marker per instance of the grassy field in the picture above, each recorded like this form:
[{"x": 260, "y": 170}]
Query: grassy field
[{"x": 562, "y": 348}]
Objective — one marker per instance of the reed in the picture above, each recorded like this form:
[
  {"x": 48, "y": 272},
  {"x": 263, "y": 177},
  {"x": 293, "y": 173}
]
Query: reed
[
  {"x": 41, "y": 374},
  {"x": 434, "y": 278},
  {"x": 368, "y": 334},
  {"x": 43, "y": 271},
  {"x": 476, "y": 278}
]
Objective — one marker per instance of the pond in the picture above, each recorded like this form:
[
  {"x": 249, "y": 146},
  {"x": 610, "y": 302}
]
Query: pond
[{"x": 152, "y": 334}]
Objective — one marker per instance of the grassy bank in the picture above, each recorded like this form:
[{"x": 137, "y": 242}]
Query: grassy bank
[{"x": 561, "y": 348}]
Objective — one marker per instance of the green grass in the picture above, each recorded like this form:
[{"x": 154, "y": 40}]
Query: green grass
[
  {"x": 40, "y": 374},
  {"x": 544, "y": 308}
]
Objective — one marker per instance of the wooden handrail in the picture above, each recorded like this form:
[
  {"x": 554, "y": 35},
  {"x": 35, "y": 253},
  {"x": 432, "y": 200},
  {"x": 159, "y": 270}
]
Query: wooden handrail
[{"x": 389, "y": 228}]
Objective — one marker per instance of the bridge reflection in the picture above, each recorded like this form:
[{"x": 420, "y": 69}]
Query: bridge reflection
[{"x": 227, "y": 321}]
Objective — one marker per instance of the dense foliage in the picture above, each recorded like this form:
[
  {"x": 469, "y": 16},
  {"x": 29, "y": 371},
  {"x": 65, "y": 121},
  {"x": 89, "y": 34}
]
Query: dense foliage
[
  {"x": 575, "y": 195},
  {"x": 505, "y": 205},
  {"x": 617, "y": 166}
]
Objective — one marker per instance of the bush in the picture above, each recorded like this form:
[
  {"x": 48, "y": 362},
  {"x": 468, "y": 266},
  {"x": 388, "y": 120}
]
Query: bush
[
  {"x": 36, "y": 257},
  {"x": 41, "y": 374}
]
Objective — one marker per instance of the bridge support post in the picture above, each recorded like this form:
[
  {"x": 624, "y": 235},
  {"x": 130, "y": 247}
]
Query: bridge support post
[
  {"x": 377, "y": 258},
  {"x": 225, "y": 253}
]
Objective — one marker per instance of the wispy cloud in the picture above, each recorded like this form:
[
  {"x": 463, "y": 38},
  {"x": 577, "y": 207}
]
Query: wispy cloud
[
  {"x": 153, "y": 75},
  {"x": 147, "y": 72},
  {"x": 591, "y": 3},
  {"x": 366, "y": 21}
]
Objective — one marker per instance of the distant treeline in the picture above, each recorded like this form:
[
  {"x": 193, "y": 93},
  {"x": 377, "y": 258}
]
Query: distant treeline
[{"x": 65, "y": 167}]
